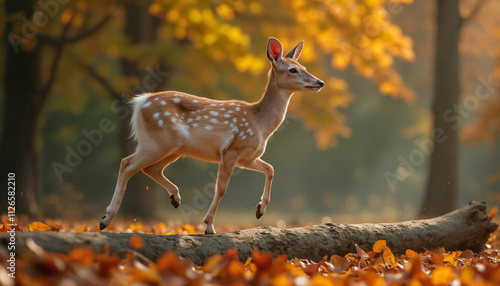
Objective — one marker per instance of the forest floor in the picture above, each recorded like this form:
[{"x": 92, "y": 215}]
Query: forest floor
[{"x": 376, "y": 266}]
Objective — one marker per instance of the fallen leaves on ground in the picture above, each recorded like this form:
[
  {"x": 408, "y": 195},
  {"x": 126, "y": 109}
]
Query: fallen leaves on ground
[{"x": 376, "y": 266}]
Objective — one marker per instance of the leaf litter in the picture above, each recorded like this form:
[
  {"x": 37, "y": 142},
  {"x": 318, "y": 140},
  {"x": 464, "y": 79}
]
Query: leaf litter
[{"x": 378, "y": 266}]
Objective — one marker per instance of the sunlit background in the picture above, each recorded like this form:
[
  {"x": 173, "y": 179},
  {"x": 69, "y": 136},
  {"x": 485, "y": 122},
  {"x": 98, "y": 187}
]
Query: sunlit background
[{"x": 358, "y": 151}]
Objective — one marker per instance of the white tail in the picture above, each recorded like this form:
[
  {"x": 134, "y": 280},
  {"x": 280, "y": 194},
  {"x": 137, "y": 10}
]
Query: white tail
[{"x": 168, "y": 125}]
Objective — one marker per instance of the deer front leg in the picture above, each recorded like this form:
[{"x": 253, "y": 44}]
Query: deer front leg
[
  {"x": 123, "y": 176},
  {"x": 260, "y": 166},
  {"x": 226, "y": 167}
]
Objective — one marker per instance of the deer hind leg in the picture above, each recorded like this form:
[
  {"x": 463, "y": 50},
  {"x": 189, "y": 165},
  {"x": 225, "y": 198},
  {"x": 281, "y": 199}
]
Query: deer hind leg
[
  {"x": 128, "y": 167},
  {"x": 226, "y": 167},
  {"x": 155, "y": 172},
  {"x": 260, "y": 166}
]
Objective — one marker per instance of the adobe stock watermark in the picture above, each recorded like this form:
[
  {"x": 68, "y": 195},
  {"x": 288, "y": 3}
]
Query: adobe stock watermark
[
  {"x": 486, "y": 87},
  {"x": 94, "y": 137},
  {"x": 30, "y": 27}
]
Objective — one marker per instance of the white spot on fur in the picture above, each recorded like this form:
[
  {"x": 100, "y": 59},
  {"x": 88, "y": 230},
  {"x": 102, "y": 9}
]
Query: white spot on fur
[
  {"x": 214, "y": 113},
  {"x": 241, "y": 133},
  {"x": 156, "y": 115},
  {"x": 166, "y": 113},
  {"x": 213, "y": 104},
  {"x": 243, "y": 119},
  {"x": 178, "y": 94},
  {"x": 195, "y": 100},
  {"x": 226, "y": 122},
  {"x": 195, "y": 125},
  {"x": 184, "y": 129},
  {"x": 213, "y": 120},
  {"x": 176, "y": 100},
  {"x": 234, "y": 119},
  {"x": 222, "y": 109},
  {"x": 237, "y": 109},
  {"x": 205, "y": 116},
  {"x": 160, "y": 123},
  {"x": 227, "y": 115},
  {"x": 190, "y": 120},
  {"x": 250, "y": 131},
  {"x": 231, "y": 124},
  {"x": 173, "y": 120},
  {"x": 156, "y": 98},
  {"x": 246, "y": 123},
  {"x": 244, "y": 137},
  {"x": 235, "y": 130},
  {"x": 208, "y": 127},
  {"x": 244, "y": 112},
  {"x": 163, "y": 102},
  {"x": 198, "y": 117},
  {"x": 146, "y": 104}
]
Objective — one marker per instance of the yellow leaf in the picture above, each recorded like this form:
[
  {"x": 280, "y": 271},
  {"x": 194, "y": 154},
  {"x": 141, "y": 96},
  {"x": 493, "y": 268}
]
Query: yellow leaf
[{"x": 39, "y": 226}]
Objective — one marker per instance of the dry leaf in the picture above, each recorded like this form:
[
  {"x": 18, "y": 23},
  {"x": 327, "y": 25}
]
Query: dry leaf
[{"x": 136, "y": 242}]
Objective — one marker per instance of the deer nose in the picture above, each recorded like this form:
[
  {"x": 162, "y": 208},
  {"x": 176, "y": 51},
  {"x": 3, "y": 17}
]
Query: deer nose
[{"x": 321, "y": 83}]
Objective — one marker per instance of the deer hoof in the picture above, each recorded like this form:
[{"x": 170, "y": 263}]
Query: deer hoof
[
  {"x": 258, "y": 214},
  {"x": 174, "y": 202},
  {"x": 102, "y": 225}
]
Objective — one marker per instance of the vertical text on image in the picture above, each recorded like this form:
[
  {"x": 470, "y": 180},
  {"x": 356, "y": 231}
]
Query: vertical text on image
[{"x": 11, "y": 199}]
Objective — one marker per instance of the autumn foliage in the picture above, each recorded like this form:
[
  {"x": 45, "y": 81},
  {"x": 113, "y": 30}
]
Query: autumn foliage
[{"x": 376, "y": 266}]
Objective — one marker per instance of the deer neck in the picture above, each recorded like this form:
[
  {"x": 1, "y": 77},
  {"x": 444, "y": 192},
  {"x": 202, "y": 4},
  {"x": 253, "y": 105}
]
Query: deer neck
[{"x": 271, "y": 108}]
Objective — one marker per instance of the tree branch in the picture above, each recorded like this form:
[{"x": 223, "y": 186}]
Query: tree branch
[
  {"x": 44, "y": 39},
  {"x": 102, "y": 81},
  {"x": 466, "y": 228},
  {"x": 55, "y": 62},
  {"x": 473, "y": 13}
]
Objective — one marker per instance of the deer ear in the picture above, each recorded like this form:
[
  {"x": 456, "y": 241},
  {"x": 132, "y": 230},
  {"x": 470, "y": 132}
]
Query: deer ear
[
  {"x": 274, "y": 51},
  {"x": 295, "y": 52}
]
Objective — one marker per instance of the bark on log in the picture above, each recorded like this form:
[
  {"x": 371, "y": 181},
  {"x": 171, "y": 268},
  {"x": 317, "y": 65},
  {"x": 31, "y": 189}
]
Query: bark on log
[{"x": 466, "y": 228}]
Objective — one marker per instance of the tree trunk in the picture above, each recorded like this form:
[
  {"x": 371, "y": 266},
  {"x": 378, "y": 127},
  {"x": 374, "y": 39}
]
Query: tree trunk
[
  {"x": 140, "y": 27},
  {"x": 442, "y": 187},
  {"x": 466, "y": 228},
  {"x": 23, "y": 101}
]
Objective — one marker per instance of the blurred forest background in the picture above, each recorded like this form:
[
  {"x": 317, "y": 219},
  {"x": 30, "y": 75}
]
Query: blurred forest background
[{"x": 398, "y": 75}]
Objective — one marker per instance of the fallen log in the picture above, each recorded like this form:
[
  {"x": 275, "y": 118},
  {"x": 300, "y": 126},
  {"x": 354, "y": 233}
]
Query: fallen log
[{"x": 465, "y": 228}]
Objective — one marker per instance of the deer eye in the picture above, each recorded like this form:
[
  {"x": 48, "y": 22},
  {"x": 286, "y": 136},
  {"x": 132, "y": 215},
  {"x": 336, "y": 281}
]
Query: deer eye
[{"x": 293, "y": 70}]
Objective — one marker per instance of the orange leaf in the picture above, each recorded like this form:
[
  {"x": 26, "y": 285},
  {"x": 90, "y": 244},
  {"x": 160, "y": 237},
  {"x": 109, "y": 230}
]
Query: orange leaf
[
  {"x": 492, "y": 213},
  {"x": 136, "y": 242},
  {"x": 442, "y": 276},
  {"x": 213, "y": 263},
  {"x": 411, "y": 254},
  {"x": 436, "y": 258},
  {"x": 235, "y": 269},
  {"x": 39, "y": 226},
  {"x": 340, "y": 264},
  {"x": 232, "y": 254},
  {"x": 389, "y": 258},
  {"x": 263, "y": 260},
  {"x": 82, "y": 255},
  {"x": 379, "y": 246}
]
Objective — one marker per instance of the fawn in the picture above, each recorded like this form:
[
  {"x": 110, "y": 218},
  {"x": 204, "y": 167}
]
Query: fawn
[{"x": 170, "y": 124}]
